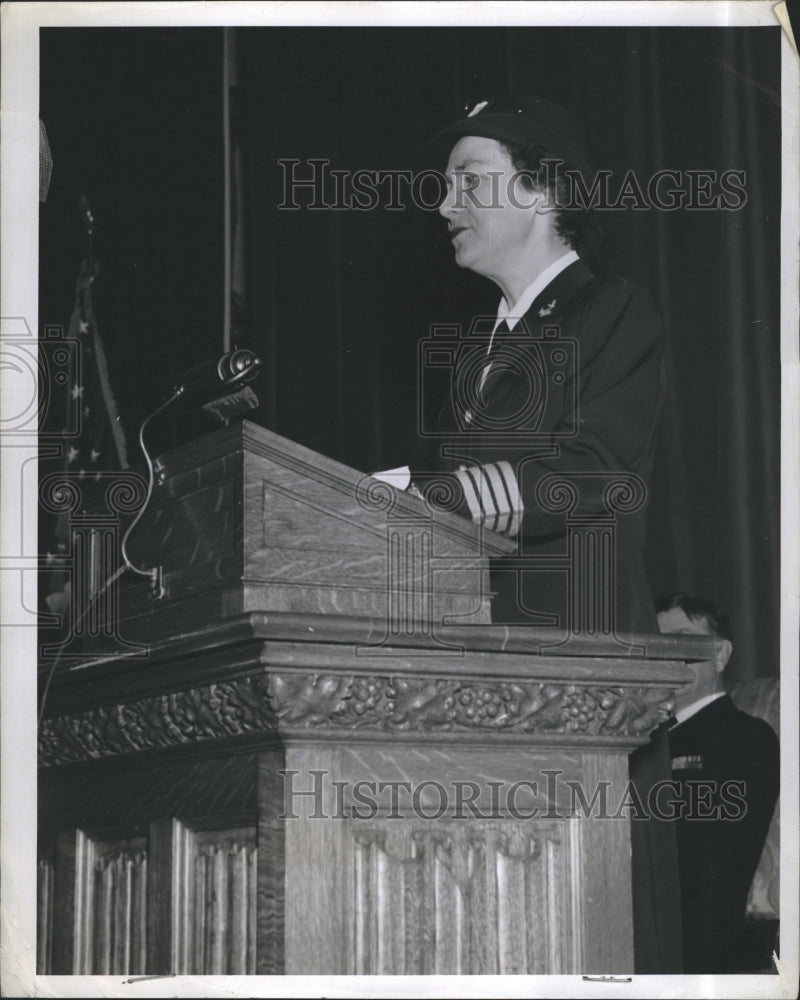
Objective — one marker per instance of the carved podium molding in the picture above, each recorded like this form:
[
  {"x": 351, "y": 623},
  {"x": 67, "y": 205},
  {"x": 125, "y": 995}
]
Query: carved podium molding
[
  {"x": 181, "y": 718},
  {"x": 318, "y": 624},
  {"x": 400, "y": 704},
  {"x": 333, "y": 704},
  {"x": 518, "y": 693}
]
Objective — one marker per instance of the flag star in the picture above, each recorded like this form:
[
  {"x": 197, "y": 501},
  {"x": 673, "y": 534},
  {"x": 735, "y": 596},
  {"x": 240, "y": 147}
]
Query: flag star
[
  {"x": 49, "y": 557},
  {"x": 95, "y": 455},
  {"x": 76, "y": 392},
  {"x": 84, "y": 326},
  {"x": 72, "y": 454},
  {"x": 96, "y": 476},
  {"x": 81, "y": 473},
  {"x": 86, "y": 411}
]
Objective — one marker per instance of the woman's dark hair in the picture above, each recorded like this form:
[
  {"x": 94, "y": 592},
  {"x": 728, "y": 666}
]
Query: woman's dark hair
[{"x": 577, "y": 225}]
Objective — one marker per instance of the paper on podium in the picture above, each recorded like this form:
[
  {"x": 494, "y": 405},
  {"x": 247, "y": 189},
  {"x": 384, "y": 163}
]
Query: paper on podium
[{"x": 399, "y": 478}]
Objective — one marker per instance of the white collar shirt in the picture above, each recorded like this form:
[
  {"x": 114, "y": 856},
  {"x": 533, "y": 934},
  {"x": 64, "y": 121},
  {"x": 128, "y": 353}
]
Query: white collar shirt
[
  {"x": 696, "y": 706},
  {"x": 513, "y": 314}
]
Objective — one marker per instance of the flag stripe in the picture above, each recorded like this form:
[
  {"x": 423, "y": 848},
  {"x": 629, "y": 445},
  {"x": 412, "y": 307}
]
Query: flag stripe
[{"x": 108, "y": 398}]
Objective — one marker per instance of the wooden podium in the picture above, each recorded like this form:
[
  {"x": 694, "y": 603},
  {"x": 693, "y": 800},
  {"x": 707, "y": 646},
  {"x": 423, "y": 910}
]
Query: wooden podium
[{"x": 314, "y": 754}]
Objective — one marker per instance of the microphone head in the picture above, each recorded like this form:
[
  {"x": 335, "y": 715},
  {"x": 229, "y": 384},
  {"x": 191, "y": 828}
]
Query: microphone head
[{"x": 237, "y": 366}]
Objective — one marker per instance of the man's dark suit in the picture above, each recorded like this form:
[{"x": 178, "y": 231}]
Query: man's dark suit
[
  {"x": 718, "y": 857},
  {"x": 545, "y": 410}
]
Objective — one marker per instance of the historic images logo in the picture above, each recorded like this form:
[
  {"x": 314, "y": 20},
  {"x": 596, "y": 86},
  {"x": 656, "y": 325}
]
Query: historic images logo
[
  {"x": 315, "y": 794},
  {"x": 314, "y": 185}
]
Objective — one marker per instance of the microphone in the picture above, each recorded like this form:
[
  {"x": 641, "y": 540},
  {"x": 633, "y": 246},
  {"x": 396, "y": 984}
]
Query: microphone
[{"x": 237, "y": 366}]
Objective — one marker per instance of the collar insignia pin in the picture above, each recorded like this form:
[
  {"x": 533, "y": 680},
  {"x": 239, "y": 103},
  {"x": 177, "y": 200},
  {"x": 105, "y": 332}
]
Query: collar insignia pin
[{"x": 546, "y": 310}]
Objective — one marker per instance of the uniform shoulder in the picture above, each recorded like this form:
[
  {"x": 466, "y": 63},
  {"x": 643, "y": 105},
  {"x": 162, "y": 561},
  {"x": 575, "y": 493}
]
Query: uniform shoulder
[
  {"x": 754, "y": 722},
  {"x": 612, "y": 288},
  {"x": 618, "y": 307},
  {"x": 752, "y": 730}
]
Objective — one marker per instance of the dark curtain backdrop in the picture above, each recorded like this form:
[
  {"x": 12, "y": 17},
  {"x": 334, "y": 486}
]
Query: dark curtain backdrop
[
  {"x": 134, "y": 119},
  {"x": 337, "y": 301}
]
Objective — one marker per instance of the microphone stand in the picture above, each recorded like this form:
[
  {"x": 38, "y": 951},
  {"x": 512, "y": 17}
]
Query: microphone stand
[
  {"x": 154, "y": 574},
  {"x": 232, "y": 368}
]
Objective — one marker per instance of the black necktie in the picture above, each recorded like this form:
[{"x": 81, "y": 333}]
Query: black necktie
[{"x": 501, "y": 331}]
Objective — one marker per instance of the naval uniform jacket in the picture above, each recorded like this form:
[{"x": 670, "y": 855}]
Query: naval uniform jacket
[
  {"x": 575, "y": 390},
  {"x": 725, "y": 764}
]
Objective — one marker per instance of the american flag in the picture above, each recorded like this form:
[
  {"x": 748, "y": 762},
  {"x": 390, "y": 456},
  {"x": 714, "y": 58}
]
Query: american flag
[{"x": 92, "y": 439}]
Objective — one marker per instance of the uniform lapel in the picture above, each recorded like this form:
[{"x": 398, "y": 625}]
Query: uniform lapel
[
  {"x": 546, "y": 309},
  {"x": 554, "y": 299},
  {"x": 707, "y": 721}
]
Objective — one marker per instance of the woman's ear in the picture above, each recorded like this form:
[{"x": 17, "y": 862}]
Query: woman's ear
[
  {"x": 545, "y": 206},
  {"x": 545, "y": 201}
]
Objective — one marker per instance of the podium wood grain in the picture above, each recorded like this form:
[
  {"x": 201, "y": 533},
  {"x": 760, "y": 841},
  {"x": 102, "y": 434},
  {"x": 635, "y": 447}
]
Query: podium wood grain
[{"x": 317, "y": 626}]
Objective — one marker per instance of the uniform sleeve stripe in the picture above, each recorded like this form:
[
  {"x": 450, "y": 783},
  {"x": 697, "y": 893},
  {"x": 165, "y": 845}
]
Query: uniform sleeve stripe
[
  {"x": 512, "y": 486},
  {"x": 475, "y": 475},
  {"x": 488, "y": 495},
  {"x": 501, "y": 524},
  {"x": 493, "y": 496},
  {"x": 496, "y": 487},
  {"x": 471, "y": 495},
  {"x": 514, "y": 497}
]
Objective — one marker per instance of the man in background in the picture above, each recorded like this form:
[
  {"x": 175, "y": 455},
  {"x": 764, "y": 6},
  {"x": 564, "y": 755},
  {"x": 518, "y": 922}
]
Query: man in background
[{"x": 725, "y": 766}]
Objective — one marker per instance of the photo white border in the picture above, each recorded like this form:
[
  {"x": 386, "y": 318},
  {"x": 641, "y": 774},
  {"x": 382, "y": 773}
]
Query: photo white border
[{"x": 19, "y": 86}]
